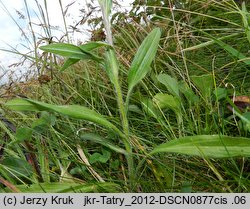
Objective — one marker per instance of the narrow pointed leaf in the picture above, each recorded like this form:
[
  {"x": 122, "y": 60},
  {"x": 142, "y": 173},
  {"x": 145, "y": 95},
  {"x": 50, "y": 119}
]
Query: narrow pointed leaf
[
  {"x": 73, "y": 111},
  {"x": 93, "y": 45},
  {"x": 211, "y": 146},
  {"x": 143, "y": 58},
  {"x": 86, "y": 47},
  {"x": 65, "y": 50},
  {"x": 68, "y": 63},
  {"x": 70, "y": 51}
]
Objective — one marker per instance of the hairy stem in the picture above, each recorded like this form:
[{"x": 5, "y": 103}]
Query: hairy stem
[{"x": 114, "y": 77}]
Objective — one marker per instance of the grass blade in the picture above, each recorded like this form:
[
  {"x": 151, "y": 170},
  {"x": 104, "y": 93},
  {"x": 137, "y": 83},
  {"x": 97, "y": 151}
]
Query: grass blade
[
  {"x": 68, "y": 63},
  {"x": 245, "y": 19},
  {"x": 234, "y": 52},
  {"x": 212, "y": 146},
  {"x": 105, "y": 142}
]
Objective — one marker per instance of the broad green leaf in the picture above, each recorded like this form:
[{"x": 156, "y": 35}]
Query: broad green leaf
[
  {"x": 143, "y": 59},
  {"x": 168, "y": 101},
  {"x": 70, "y": 51},
  {"x": 65, "y": 50},
  {"x": 135, "y": 109},
  {"x": 100, "y": 140},
  {"x": 78, "y": 170},
  {"x": 220, "y": 93},
  {"x": 204, "y": 83},
  {"x": 98, "y": 157},
  {"x": 86, "y": 47},
  {"x": 211, "y": 146},
  {"x": 170, "y": 83},
  {"x": 21, "y": 105},
  {"x": 17, "y": 167},
  {"x": 73, "y": 111}
]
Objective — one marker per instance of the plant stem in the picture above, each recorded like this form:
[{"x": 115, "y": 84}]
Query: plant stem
[
  {"x": 114, "y": 77},
  {"x": 123, "y": 115}
]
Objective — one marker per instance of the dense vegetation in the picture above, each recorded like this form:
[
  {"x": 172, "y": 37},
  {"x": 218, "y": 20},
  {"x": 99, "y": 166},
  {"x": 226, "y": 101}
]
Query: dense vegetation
[{"x": 161, "y": 106}]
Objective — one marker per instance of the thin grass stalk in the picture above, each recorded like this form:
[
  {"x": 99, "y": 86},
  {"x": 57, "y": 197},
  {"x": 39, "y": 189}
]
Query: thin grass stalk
[
  {"x": 178, "y": 39},
  {"x": 47, "y": 17},
  {"x": 16, "y": 23},
  {"x": 64, "y": 21},
  {"x": 33, "y": 35}
]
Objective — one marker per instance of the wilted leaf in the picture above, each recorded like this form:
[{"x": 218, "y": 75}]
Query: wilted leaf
[{"x": 239, "y": 103}]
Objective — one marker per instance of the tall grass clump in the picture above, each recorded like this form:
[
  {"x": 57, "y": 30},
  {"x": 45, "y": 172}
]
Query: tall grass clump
[{"x": 150, "y": 109}]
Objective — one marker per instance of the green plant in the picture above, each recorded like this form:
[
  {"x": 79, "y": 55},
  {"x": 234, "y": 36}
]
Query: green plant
[
  {"x": 205, "y": 146},
  {"x": 139, "y": 68}
]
